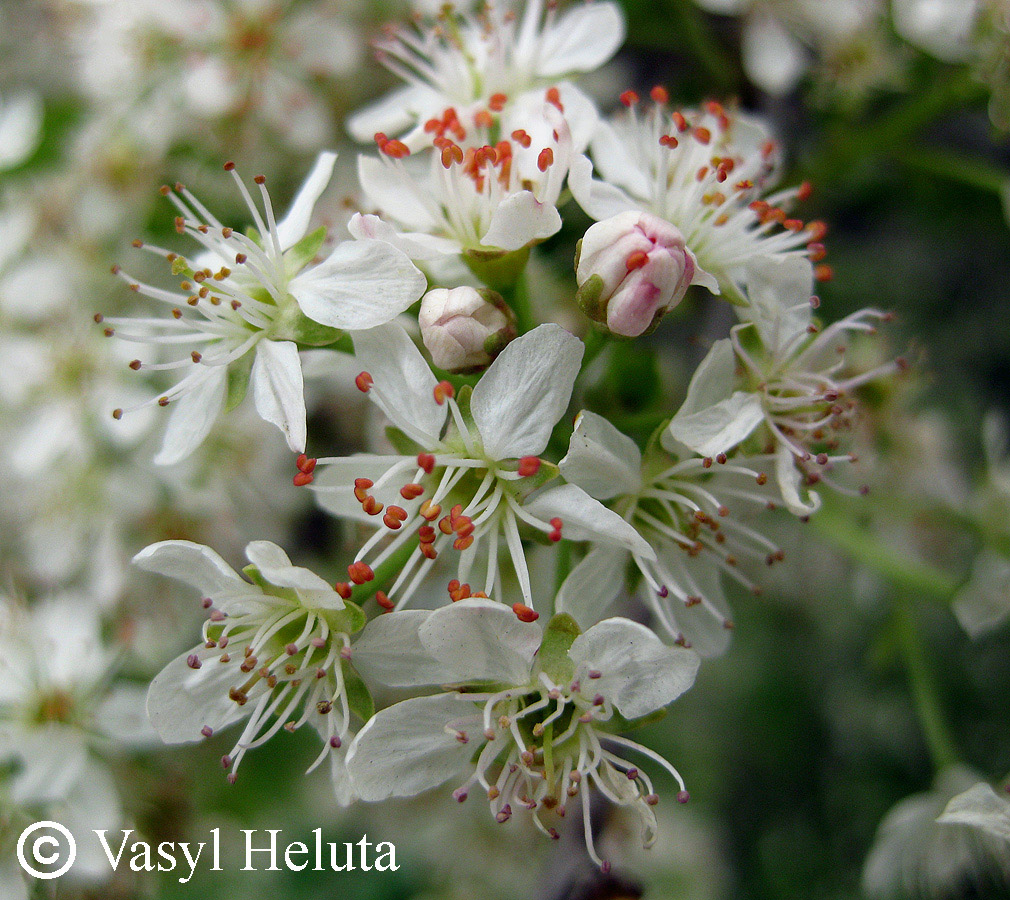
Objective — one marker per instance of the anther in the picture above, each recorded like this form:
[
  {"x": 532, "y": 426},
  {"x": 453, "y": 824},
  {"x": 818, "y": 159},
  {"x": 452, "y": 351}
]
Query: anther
[
  {"x": 546, "y": 159},
  {"x": 207, "y": 731},
  {"x": 629, "y": 98},
  {"x": 443, "y": 391},
  {"x": 363, "y": 382},
  {"x": 411, "y": 491},
  {"x": 193, "y": 661},
  {"x": 524, "y": 613},
  {"x": 556, "y": 524},
  {"x": 529, "y": 466},
  {"x": 360, "y": 572}
]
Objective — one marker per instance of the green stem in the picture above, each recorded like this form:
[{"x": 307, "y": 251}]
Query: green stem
[
  {"x": 519, "y": 299},
  {"x": 923, "y": 685},
  {"x": 564, "y": 557},
  {"x": 914, "y": 576}
]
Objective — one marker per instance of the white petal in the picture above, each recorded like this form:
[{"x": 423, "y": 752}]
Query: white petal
[
  {"x": 278, "y": 390},
  {"x": 580, "y": 114},
  {"x": 601, "y": 460},
  {"x": 779, "y": 292},
  {"x": 639, "y": 672},
  {"x": 980, "y": 807},
  {"x": 194, "y": 564},
  {"x": 404, "y": 384},
  {"x": 984, "y": 602},
  {"x": 415, "y": 244},
  {"x": 586, "y": 519},
  {"x": 392, "y": 114},
  {"x": 582, "y": 40},
  {"x": 520, "y": 398},
  {"x": 618, "y": 161},
  {"x": 480, "y": 640},
  {"x": 592, "y": 585},
  {"x": 520, "y": 220},
  {"x": 396, "y": 191},
  {"x": 193, "y": 416},
  {"x": 389, "y": 651},
  {"x": 182, "y": 701},
  {"x": 713, "y": 381},
  {"x": 293, "y": 227},
  {"x": 405, "y": 750},
  {"x": 773, "y": 59},
  {"x": 20, "y": 129},
  {"x": 702, "y": 625},
  {"x": 122, "y": 716},
  {"x": 721, "y": 427},
  {"x": 598, "y": 199},
  {"x": 789, "y": 478},
  {"x": 275, "y": 566},
  {"x": 360, "y": 285}
]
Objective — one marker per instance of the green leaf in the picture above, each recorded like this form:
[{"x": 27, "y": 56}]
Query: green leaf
[
  {"x": 561, "y": 632},
  {"x": 238, "y": 381},
  {"x": 358, "y": 698}
]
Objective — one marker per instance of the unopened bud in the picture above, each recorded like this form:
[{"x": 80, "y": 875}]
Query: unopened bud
[
  {"x": 464, "y": 328},
  {"x": 632, "y": 269}
]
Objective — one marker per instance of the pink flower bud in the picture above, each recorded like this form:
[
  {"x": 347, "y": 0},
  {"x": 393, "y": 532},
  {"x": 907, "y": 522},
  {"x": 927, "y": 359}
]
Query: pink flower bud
[
  {"x": 464, "y": 328},
  {"x": 632, "y": 269}
]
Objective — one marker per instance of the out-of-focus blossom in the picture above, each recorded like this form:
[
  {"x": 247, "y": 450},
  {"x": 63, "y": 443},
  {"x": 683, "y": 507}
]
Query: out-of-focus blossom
[
  {"x": 20, "y": 128},
  {"x": 980, "y": 807}
]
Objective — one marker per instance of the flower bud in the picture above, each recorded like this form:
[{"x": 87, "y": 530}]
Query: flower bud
[
  {"x": 632, "y": 269},
  {"x": 465, "y": 328}
]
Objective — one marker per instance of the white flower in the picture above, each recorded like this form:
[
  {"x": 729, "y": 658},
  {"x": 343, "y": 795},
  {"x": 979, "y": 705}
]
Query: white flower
[
  {"x": 488, "y": 62},
  {"x": 20, "y": 128},
  {"x": 780, "y": 371},
  {"x": 275, "y": 652},
  {"x": 471, "y": 475},
  {"x": 915, "y": 855},
  {"x": 980, "y": 807},
  {"x": 943, "y": 28},
  {"x": 707, "y": 173},
  {"x": 243, "y": 307},
  {"x": 465, "y": 329},
  {"x": 469, "y": 194},
  {"x": 534, "y": 719},
  {"x": 632, "y": 269},
  {"x": 677, "y": 503}
]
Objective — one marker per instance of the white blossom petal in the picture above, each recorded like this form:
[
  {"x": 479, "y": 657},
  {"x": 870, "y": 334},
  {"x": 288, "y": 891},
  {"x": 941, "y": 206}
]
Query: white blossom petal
[
  {"x": 405, "y": 749},
  {"x": 582, "y": 40},
  {"x": 599, "y": 199},
  {"x": 601, "y": 460},
  {"x": 293, "y": 227},
  {"x": 593, "y": 585},
  {"x": 520, "y": 398},
  {"x": 639, "y": 673},
  {"x": 790, "y": 478},
  {"x": 389, "y": 651},
  {"x": 360, "y": 285},
  {"x": 520, "y": 220},
  {"x": 193, "y": 416},
  {"x": 417, "y": 245},
  {"x": 182, "y": 701},
  {"x": 276, "y": 568},
  {"x": 773, "y": 59},
  {"x": 980, "y": 807},
  {"x": 195, "y": 564},
  {"x": 719, "y": 428},
  {"x": 278, "y": 390},
  {"x": 779, "y": 292}
]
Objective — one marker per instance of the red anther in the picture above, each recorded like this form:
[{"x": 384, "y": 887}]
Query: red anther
[
  {"x": 429, "y": 551},
  {"x": 384, "y": 601},
  {"x": 453, "y": 585},
  {"x": 391, "y": 522},
  {"x": 483, "y": 118},
  {"x": 240, "y": 258},
  {"x": 430, "y": 511},
  {"x": 443, "y": 391},
  {"x": 397, "y": 512},
  {"x": 660, "y": 94},
  {"x": 259, "y": 179},
  {"x": 683, "y": 796},
  {"x": 637, "y": 260},
  {"x": 363, "y": 483},
  {"x": 804, "y": 191},
  {"x": 816, "y": 251},
  {"x": 767, "y": 149},
  {"x": 522, "y": 138},
  {"x": 679, "y": 121},
  {"x": 371, "y": 506},
  {"x": 395, "y": 149},
  {"x": 818, "y": 230},
  {"x": 553, "y": 96},
  {"x": 426, "y": 461},
  {"x": 555, "y": 535},
  {"x": 762, "y": 479},
  {"x": 702, "y": 173},
  {"x": 702, "y": 135},
  {"x": 706, "y": 463},
  {"x": 451, "y": 153},
  {"x": 462, "y": 543},
  {"x": 629, "y": 98},
  {"x": 228, "y": 166},
  {"x": 464, "y": 527},
  {"x": 302, "y": 479},
  {"x": 307, "y": 465},
  {"x": 343, "y": 589},
  {"x": 445, "y": 525},
  {"x": 496, "y": 102},
  {"x": 793, "y": 224},
  {"x": 824, "y": 273},
  {"x": 546, "y": 159},
  {"x": 427, "y": 534},
  {"x": 668, "y": 140},
  {"x": 363, "y": 382},
  {"x": 524, "y": 613},
  {"x": 529, "y": 466},
  {"x": 381, "y": 139},
  {"x": 411, "y": 491},
  {"x": 360, "y": 572},
  {"x": 456, "y": 512},
  {"x": 744, "y": 185}
]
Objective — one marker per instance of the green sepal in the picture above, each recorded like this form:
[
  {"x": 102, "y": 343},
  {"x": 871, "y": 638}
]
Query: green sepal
[
  {"x": 253, "y": 574},
  {"x": 463, "y": 397},
  {"x": 402, "y": 444},
  {"x": 560, "y": 634},
  {"x": 238, "y": 381},
  {"x": 617, "y": 724},
  {"x": 298, "y": 256},
  {"x": 498, "y": 269},
  {"x": 655, "y": 458},
  {"x": 293, "y": 325},
  {"x": 548, "y": 471},
  {"x": 348, "y": 620},
  {"x": 358, "y": 697},
  {"x": 588, "y": 297}
]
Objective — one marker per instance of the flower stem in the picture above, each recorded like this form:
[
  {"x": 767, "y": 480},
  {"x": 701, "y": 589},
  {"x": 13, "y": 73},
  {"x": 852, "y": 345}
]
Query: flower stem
[
  {"x": 519, "y": 299},
  {"x": 923, "y": 686}
]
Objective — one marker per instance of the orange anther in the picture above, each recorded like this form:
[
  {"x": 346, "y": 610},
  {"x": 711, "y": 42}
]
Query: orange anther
[
  {"x": 302, "y": 479},
  {"x": 637, "y": 260},
  {"x": 426, "y": 461},
  {"x": 343, "y": 589},
  {"x": 546, "y": 159},
  {"x": 660, "y": 94},
  {"x": 443, "y": 391},
  {"x": 553, "y": 96},
  {"x": 411, "y": 491},
  {"x": 497, "y": 102},
  {"x": 363, "y": 382},
  {"x": 629, "y": 98},
  {"x": 529, "y": 466},
  {"x": 430, "y": 511},
  {"x": 462, "y": 543},
  {"x": 384, "y": 601},
  {"x": 360, "y": 572},
  {"x": 524, "y": 613}
]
